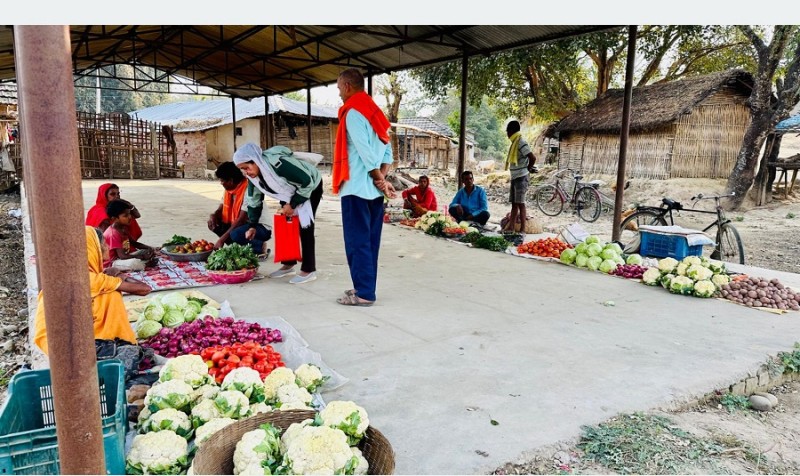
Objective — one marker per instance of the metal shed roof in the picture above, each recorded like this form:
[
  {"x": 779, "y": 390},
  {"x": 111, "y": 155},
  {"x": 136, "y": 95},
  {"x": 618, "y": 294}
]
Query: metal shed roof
[
  {"x": 192, "y": 116},
  {"x": 246, "y": 60}
]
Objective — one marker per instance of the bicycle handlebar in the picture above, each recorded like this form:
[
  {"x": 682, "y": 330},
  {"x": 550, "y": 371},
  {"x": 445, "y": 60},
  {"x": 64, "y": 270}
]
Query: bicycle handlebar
[{"x": 700, "y": 196}]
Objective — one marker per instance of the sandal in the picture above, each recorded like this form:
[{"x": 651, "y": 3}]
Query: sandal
[
  {"x": 353, "y": 300},
  {"x": 350, "y": 292}
]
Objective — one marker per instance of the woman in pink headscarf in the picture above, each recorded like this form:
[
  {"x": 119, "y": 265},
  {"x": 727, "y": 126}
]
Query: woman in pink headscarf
[{"x": 98, "y": 218}]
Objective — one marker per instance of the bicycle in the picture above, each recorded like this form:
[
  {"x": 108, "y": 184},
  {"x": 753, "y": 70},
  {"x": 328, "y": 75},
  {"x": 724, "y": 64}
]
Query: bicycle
[
  {"x": 728, "y": 245},
  {"x": 584, "y": 199}
]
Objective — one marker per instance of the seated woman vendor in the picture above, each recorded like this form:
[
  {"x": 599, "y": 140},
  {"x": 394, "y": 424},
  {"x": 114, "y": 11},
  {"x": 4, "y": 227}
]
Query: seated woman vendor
[
  {"x": 420, "y": 199},
  {"x": 108, "y": 311}
]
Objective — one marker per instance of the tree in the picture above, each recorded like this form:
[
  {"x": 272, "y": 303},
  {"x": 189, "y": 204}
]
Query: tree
[
  {"x": 116, "y": 95},
  {"x": 766, "y": 112},
  {"x": 483, "y": 122},
  {"x": 393, "y": 91}
]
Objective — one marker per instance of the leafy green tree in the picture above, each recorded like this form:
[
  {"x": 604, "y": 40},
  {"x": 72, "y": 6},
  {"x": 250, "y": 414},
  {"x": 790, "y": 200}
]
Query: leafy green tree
[
  {"x": 116, "y": 95},
  {"x": 484, "y": 123}
]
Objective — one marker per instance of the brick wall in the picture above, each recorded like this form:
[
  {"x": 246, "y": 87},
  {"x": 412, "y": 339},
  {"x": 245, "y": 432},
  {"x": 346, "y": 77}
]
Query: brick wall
[{"x": 191, "y": 148}]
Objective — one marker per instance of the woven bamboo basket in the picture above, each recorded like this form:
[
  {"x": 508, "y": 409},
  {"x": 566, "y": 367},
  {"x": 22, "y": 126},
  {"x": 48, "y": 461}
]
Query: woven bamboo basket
[{"x": 215, "y": 456}]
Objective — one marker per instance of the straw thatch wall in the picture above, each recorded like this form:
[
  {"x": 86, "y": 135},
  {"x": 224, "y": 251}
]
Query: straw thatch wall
[{"x": 323, "y": 137}]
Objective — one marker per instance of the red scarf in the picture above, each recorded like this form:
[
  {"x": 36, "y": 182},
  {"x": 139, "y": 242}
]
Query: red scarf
[
  {"x": 97, "y": 214},
  {"x": 363, "y": 103}
]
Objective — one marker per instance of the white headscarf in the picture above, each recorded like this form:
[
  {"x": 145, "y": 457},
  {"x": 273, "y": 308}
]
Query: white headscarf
[{"x": 281, "y": 189}]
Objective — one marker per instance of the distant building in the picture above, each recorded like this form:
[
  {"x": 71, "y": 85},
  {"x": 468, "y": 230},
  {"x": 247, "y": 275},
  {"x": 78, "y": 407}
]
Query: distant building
[{"x": 425, "y": 143}]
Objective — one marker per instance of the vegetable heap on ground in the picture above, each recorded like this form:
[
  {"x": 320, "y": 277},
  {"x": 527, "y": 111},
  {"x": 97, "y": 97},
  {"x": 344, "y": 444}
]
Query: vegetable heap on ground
[
  {"x": 546, "y": 247},
  {"x": 171, "y": 310},
  {"x": 198, "y": 246},
  {"x": 435, "y": 223},
  {"x": 692, "y": 276},
  {"x": 232, "y": 257},
  {"x": 327, "y": 444},
  {"x": 222, "y": 359},
  {"x": 596, "y": 255},
  {"x": 629, "y": 271},
  {"x": 759, "y": 292},
  {"x": 491, "y": 243},
  {"x": 186, "y": 402},
  {"x": 192, "y": 337},
  {"x": 177, "y": 240}
]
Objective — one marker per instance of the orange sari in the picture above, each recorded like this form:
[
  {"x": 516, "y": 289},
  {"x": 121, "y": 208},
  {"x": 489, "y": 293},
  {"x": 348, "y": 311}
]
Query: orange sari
[{"x": 108, "y": 310}]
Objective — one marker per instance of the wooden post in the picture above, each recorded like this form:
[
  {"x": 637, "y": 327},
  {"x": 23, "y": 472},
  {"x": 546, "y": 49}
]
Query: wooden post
[
  {"x": 626, "y": 125},
  {"x": 233, "y": 113},
  {"x": 462, "y": 134},
  {"x": 308, "y": 116},
  {"x": 154, "y": 148}
]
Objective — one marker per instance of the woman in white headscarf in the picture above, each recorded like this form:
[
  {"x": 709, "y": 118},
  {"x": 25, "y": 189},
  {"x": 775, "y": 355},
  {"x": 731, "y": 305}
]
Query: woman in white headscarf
[{"x": 298, "y": 187}]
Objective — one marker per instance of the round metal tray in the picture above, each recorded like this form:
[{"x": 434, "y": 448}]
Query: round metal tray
[{"x": 183, "y": 257}]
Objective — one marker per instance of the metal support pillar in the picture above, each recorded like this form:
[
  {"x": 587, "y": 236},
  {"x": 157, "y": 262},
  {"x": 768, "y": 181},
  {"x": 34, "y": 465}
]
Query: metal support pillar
[
  {"x": 308, "y": 116},
  {"x": 462, "y": 134},
  {"x": 268, "y": 138},
  {"x": 233, "y": 115},
  {"x": 623, "y": 138},
  {"x": 44, "y": 74}
]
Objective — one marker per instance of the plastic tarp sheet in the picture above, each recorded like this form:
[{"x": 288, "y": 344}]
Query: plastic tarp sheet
[{"x": 693, "y": 237}]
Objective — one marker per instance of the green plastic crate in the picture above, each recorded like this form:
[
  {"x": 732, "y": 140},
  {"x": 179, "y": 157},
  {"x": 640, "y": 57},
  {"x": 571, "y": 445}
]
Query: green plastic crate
[{"x": 28, "y": 442}]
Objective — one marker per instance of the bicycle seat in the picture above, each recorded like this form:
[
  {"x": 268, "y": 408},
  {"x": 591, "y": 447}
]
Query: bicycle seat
[
  {"x": 672, "y": 204},
  {"x": 578, "y": 177}
]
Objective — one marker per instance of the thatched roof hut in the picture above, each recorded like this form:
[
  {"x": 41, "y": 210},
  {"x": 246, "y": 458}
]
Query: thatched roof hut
[{"x": 687, "y": 128}]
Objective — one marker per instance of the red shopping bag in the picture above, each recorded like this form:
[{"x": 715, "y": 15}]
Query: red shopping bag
[{"x": 287, "y": 238}]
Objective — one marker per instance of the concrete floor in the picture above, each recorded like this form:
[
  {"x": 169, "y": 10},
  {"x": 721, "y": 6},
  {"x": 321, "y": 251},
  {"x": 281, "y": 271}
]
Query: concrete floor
[{"x": 460, "y": 337}]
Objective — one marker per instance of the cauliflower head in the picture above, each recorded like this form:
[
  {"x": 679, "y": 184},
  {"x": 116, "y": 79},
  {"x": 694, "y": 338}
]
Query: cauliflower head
[
  {"x": 260, "y": 407},
  {"x": 681, "y": 285},
  {"x": 310, "y": 377},
  {"x": 294, "y": 396},
  {"x": 666, "y": 280},
  {"x": 319, "y": 450},
  {"x": 204, "y": 432},
  {"x": 189, "y": 368},
  {"x": 276, "y": 379},
  {"x": 204, "y": 392},
  {"x": 690, "y": 260},
  {"x": 204, "y": 412},
  {"x": 346, "y": 416},
  {"x": 247, "y": 381},
  {"x": 158, "y": 452},
  {"x": 699, "y": 272},
  {"x": 257, "y": 450},
  {"x": 232, "y": 404},
  {"x": 169, "y": 419},
  {"x": 651, "y": 276},
  {"x": 704, "y": 288},
  {"x": 292, "y": 432},
  {"x": 667, "y": 265},
  {"x": 720, "y": 280},
  {"x": 680, "y": 270},
  {"x": 170, "y": 394},
  {"x": 362, "y": 467}
]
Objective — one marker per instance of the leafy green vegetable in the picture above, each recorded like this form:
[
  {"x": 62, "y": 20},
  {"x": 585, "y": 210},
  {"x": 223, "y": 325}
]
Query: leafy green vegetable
[
  {"x": 471, "y": 237},
  {"x": 232, "y": 257},
  {"x": 492, "y": 243},
  {"x": 202, "y": 302},
  {"x": 177, "y": 240}
]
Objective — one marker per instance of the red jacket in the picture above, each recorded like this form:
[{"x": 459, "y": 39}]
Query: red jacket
[{"x": 426, "y": 201}]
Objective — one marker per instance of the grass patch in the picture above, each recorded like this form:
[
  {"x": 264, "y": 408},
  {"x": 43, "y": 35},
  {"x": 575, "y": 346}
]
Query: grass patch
[
  {"x": 734, "y": 402},
  {"x": 790, "y": 215},
  {"x": 791, "y": 360},
  {"x": 738, "y": 218}
]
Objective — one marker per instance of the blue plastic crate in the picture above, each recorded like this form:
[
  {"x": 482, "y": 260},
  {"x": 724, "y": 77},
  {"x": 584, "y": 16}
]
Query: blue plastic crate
[
  {"x": 28, "y": 443},
  {"x": 667, "y": 246}
]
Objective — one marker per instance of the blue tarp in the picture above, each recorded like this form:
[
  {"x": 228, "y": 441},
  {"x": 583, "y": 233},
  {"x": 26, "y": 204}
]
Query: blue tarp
[{"x": 787, "y": 124}]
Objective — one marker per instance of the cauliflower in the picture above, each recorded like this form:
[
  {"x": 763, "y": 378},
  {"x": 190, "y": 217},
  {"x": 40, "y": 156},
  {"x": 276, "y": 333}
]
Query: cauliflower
[
  {"x": 256, "y": 448},
  {"x": 704, "y": 288},
  {"x": 188, "y": 368},
  {"x": 291, "y": 395},
  {"x": 651, "y": 276},
  {"x": 292, "y": 432},
  {"x": 667, "y": 265},
  {"x": 720, "y": 280},
  {"x": 680, "y": 270},
  {"x": 204, "y": 432},
  {"x": 204, "y": 412},
  {"x": 716, "y": 267},
  {"x": 319, "y": 450},
  {"x": 363, "y": 465},
  {"x": 699, "y": 273},
  {"x": 169, "y": 419},
  {"x": 276, "y": 379},
  {"x": 690, "y": 260},
  {"x": 260, "y": 407},
  {"x": 204, "y": 392},
  {"x": 247, "y": 381},
  {"x": 170, "y": 394},
  {"x": 158, "y": 452},
  {"x": 681, "y": 285},
  {"x": 310, "y": 377},
  {"x": 348, "y": 417},
  {"x": 666, "y": 280},
  {"x": 232, "y": 404}
]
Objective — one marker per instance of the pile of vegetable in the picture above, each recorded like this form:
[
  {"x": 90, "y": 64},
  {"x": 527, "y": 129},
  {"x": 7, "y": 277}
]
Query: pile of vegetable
[
  {"x": 202, "y": 333},
  {"x": 326, "y": 444},
  {"x": 692, "y": 276},
  {"x": 454, "y": 230},
  {"x": 177, "y": 240},
  {"x": 760, "y": 292},
  {"x": 434, "y": 223},
  {"x": 198, "y": 246},
  {"x": 596, "y": 255},
  {"x": 232, "y": 257},
  {"x": 470, "y": 237},
  {"x": 491, "y": 243},
  {"x": 547, "y": 247},
  {"x": 171, "y": 310},
  {"x": 221, "y": 359},
  {"x": 187, "y": 405},
  {"x": 409, "y": 221},
  {"x": 629, "y": 271}
]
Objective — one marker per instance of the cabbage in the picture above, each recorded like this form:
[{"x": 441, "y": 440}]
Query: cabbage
[
  {"x": 581, "y": 261},
  {"x": 594, "y": 249},
  {"x": 618, "y": 259},
  {"x": 154, "y": 310},
  {"x": 173, "y": 318},
  {"x": 592, "y": 239},
  {"x": 174, "y": 300},
  {"x": 208, "y": 311},
  {"x": 704, "y": 288},
  {"x": 581, "y": 248},
  {"x": 651, "y": 277},
  {"x": 191, "y": 311},
  {"x": 568, "y": 256},
  {"x": 145, "y": 328},
  {"x": 594, "y": 262},
  {"x": 607, "y": 266},
  {"x": 634, "y": 259},
  {"x": 682, "y": 285},
  {"x": 609, "y": 254}
]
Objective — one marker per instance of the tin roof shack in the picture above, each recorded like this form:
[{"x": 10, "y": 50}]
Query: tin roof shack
[
  {"x": 687, "y": 128},
  {"x": 425, "y": 143},
  {"x": 204, "y": 130}
]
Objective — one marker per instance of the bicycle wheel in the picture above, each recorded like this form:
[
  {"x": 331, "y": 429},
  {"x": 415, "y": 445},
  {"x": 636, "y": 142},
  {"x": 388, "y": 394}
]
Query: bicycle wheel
[
  {"x": 730, "y": 247},
  {"x": 549, "y": 200},
  {"x": 629, "y": 228},
  {"x": 588, "y": 203}
]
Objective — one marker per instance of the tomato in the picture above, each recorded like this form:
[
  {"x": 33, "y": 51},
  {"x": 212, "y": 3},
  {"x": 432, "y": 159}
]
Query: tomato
[
  {"x": 217, "y": 356},
  {"x": 207, "y": 353},
  {"x": 260, "y": 354},
  {"x": 260, "y": 366},
  {"x": 242, "y": 351},
  {"x": 234, "y": 359},
  {"x": 213, "y": 371},
  {"x": 247, "y": 361}
]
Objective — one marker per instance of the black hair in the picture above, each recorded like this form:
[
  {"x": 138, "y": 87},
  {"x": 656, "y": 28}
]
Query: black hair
[
  {"x": 99, "y": 235},
  {"x": 353, "y": 77},
  {"x": 229, "y": 171},
  {"x": 116, "y": 207},
  {"x": 513, "y": 126},
  {"x": 465, "y": 173},
  {"x": 424, "y": 177}
]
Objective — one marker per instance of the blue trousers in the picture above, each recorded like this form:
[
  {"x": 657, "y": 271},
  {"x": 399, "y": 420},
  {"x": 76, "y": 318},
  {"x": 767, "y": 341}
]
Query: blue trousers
[
  {"x": 362, "y": 222},
  {"x": 257, "y": 243}
]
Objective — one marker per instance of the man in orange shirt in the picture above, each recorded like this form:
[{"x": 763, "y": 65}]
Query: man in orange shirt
[{"x": 420, "y": 199}]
